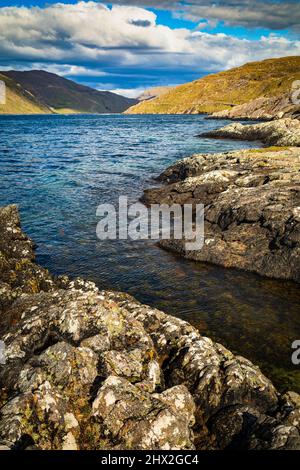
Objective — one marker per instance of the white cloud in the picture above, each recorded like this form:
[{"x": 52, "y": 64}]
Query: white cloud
[
  {"x": 60, "y": 69},
  {"x": 88, "y": 37},
  {"x": 128, "y": 92},
  {"x": 90, "y": 28},
  {"x": 272, "y": 14},
  {"x": 72, "y": 70},
  {"x": 65, "y": 70},
  {"x": 269, "y": 14}
]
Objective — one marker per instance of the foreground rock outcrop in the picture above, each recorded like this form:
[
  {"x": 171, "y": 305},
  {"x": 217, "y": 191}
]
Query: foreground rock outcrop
[
  {"x": 275, "y": 107},
  {"x": 283, "y": 132},
  {"x": 252, "y": 208},
  {"x": 91, "y": 369}
]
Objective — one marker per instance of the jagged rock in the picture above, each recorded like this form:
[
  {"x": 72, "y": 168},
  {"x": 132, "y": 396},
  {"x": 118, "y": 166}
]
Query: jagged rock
[
  {"x": 275, "y": 107},
  {"x": 91, "y": 369},
  {"x": 283, "y": 132},
  {"x": 252, "y": 208},
  {"x": 19, "y": 273},
  {"x": 139, "y": 420}
]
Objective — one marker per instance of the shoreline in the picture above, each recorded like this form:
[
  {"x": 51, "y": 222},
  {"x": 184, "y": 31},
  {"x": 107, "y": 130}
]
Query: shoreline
[
  {"x": 158, "y": 368},
  {"x": 281, "y": 132},
  {"x": 139, "y": 357},
  {"x": 251, "y": 208}
]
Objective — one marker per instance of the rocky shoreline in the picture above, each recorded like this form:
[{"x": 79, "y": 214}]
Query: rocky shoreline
[
  {"x": 265, "y": 108},
  {"x": 281, "y": 132},
  {"x": 252, "y": 208},
  {"x": 92, "y": 369}
]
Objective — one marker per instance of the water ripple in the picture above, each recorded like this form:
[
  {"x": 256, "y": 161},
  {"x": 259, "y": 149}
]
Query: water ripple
[{"x": 59, "y": 168}]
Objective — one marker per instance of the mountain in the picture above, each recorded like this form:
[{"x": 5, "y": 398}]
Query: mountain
[
  {"x": 19, "y": 100},
  {"x": 60, "y": 95},
  {"x": 271, "y": 79},
  {"x": 154, "y": 92}
]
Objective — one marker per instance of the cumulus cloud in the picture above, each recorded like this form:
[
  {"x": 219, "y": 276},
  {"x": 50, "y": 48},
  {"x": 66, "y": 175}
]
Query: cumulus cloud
[
  {"x": 271, "y": 14},
  {"x": 66, "y": 70},
  {"x": 91, "y": 39},
  {"x": 274, "y": 15},
  {"x": 86, "y": 30}
]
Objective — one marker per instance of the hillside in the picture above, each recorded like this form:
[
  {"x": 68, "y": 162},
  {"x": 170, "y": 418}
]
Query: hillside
[
  {"x": 20, "y": 101},
  {"x": 155, "y": 92},
  {"x": 270, "y": 78},
  {"x": 64, "y": 96}
]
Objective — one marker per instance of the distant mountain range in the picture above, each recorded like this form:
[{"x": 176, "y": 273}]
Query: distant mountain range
[
  {"x": 40, "y": 92},
  {"x": 255, "y": 90}
]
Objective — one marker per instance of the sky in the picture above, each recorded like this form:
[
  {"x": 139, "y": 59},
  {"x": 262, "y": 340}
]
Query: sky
[{"x": 132, "y": 45}]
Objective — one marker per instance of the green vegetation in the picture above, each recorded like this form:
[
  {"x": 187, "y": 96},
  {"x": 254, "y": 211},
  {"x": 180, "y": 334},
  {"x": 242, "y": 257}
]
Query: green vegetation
[
  {"x": 224, "y": 90},
  {"x": 268, "y": 149}
]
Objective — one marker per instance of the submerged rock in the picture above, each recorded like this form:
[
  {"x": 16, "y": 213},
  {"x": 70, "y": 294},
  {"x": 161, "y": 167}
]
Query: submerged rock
[
  {"x": 252, "y": 208},
  {"x": 92, "y": 369},
  {"x": 283, "y": 132}
]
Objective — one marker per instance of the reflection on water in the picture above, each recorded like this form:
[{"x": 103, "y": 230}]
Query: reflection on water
[{"x": 59, "y": 168}]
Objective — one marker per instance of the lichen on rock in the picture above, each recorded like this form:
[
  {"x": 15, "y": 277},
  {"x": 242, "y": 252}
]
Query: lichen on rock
[
  {"x": 280, "y": 132},
  {"x": 252, "y": 201},
  {"x": 92, "y": 369}
]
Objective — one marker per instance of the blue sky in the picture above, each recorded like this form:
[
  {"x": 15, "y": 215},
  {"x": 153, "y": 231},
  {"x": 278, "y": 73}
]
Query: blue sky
[{"x": 132, "y": 45}]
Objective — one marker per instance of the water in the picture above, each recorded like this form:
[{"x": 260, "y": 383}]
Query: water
[{"x": 59, "y": 168}]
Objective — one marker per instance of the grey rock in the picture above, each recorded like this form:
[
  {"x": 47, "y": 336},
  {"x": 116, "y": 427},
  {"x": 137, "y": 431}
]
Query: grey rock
[
  {"x": 92, "y": 369},
  {"x": 281, "y": 132},
  {"x": 138, "y": 420},
  {"x": 274, "y": 107},
  {"x": 252, "y": 208}
]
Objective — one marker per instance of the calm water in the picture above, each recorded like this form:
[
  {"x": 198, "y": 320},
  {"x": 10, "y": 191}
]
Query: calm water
[{"x": 59, "y": 168}]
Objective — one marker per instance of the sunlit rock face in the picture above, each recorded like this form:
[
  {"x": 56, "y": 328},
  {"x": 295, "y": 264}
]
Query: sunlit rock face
[
  {"x": 92, "y": 369},
  {"x": 252, "y": 208},
  {"x": 281, "y": 132}
]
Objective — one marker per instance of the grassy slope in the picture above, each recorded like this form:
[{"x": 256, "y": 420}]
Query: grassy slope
[
  {"x": 154, "y": 92},
  {"x": 271, "y": 77},
  {"x": 19, "y": 101}
]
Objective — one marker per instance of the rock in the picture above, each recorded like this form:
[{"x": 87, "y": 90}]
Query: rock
[
  {"x": 92, "y": 369},
  {"x": 19, "y": 274},
  {"x": 252, "y": 208},
  {"x": 138, "y": 420},
  {"x": 283, "y": 132},
  {"x": 268, "y": 108}
]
